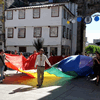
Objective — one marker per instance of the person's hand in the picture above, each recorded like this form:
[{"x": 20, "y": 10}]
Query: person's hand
[{"x": 95, "y": 58}]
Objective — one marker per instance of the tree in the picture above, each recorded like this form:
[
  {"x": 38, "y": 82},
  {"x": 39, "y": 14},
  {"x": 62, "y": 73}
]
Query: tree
[
  {"x": 38, "y": 44},
  {"x": 92, "y": 49}
]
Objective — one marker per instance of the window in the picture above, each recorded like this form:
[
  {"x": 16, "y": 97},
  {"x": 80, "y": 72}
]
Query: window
[
  {"x": 21, "y": 32},
  {"x": 9, "y": 15},
  {"x": 45, "y": 51},
  {"x": 64, "y": 31},
  {"x": 54, "y": 11},
  {"x": 53, "y": 50},
  {"x": 36, "y": 13},
  {"x": 53, "y": 31},
  {"x": 10, "y": 33},
  {"x": 37, "y": 31},
  {"x": 22, "y": 49},
  {"x": 70, "y": 35},
  {"x": 21, "y": 14},
  {"x": 67, "y": 33},
  {"x": 63, "y": 50},
  {"x": 64, "y": 14}
]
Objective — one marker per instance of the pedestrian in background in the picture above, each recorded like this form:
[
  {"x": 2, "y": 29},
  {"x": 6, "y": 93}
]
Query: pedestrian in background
[
  {"x": 34, "y": 52},
  {"x": 16, "y": 52},
  {"x": 21, "y": 53},
  {"x": 96, "y": 67},
  {"x": 40, "y": 61},
  {"x": 2, "y": 65}
]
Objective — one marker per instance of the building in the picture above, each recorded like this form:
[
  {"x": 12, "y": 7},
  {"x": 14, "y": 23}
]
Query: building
[
  {"x": 1, "y": 24},
  {"x": 47, "y": 21},
  {"x": 96, "y": 41}
]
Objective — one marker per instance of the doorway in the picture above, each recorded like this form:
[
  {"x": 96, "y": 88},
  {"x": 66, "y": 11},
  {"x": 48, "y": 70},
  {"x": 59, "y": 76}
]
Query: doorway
[{"x": 22, "y": 49}]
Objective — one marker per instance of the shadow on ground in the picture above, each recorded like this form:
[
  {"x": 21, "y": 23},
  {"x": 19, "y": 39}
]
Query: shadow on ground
[{"x": 74, "y": 89}]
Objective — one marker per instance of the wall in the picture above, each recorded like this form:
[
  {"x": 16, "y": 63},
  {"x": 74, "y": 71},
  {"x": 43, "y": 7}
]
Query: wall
[{"x": 44, "y": 21}]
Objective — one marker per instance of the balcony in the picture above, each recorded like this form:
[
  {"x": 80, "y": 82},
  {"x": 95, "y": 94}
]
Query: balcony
[{"x": 2, "y": 37}]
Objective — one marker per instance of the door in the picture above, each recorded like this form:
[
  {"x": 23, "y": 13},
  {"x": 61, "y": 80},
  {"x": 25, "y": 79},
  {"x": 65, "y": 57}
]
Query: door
[{"x": 22, "y": 49}]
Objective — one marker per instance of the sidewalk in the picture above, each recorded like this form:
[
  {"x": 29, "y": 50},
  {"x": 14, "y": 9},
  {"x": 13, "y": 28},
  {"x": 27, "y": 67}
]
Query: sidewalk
[{"x": 76, "y": 89}]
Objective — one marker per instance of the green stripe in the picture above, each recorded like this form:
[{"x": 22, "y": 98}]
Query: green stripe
[{"x": 59, "y": 73}]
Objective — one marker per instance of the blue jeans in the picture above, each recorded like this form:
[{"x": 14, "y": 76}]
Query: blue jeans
[{"x": 1, "y": 72}]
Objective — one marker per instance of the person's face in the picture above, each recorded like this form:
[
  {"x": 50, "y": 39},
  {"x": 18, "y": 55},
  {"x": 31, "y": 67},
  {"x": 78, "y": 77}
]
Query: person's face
[
  {"x": 34, "y": 51},
  {"x": 2, "y": 53},
  {"x": 97, "y": 55},
  {"x": 41, "y": 52}
]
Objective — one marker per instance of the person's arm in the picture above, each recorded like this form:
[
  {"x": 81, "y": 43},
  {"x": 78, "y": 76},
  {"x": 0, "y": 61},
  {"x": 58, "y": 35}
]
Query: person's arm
[
  {"x": 97, "y": 60},
  {"x": 36, "y": 61},
  {"x": 48, "y": 62}
]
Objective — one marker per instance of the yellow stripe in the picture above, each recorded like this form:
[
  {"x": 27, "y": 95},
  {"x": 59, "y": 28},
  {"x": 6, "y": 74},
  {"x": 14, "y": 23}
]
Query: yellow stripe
[{"x": 46, "y": 74}]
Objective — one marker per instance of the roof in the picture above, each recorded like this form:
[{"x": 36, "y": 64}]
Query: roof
[
  {"x": 37, "y": 0},
  {"x": 42, "y": 6},
  {"x": 36, "y": 6}
]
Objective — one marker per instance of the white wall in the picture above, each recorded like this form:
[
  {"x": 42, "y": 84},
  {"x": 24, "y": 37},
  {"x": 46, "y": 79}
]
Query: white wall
[
  {"x": 44, "y": 20},
  {"x": 11, "y": 48},
  {"x": 74, "y": 38},
  {"x": 29, "y": 39},
  {"x": 30, "y": 49}
]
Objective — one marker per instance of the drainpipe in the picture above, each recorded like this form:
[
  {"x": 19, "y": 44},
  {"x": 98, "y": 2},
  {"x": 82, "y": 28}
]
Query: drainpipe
[
  {"x": 71, "y": 36},
  {"x": 61, "y": 30}
]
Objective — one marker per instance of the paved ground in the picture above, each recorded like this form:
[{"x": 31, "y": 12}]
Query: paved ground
[{"x": 76, "y": 89}]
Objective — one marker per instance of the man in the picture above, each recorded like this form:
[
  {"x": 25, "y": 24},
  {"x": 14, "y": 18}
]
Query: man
[
  {"x": 16, "y": 52},
  {"x": 34, "y": 52},
  {"x": 2, "y": 65},
  {"x": 40, "y": 61}
]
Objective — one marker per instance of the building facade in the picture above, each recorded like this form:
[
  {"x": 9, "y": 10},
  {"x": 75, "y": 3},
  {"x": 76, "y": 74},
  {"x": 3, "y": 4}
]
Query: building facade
[{"x": 48, "y": 22}]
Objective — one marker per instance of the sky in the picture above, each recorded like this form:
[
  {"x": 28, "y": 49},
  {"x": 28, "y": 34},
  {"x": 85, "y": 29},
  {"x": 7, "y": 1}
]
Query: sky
[{"x": 93, "y": 29}]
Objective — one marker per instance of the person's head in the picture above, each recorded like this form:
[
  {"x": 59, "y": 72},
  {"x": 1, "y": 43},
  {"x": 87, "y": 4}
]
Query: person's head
[
  {"x": 1, "y": 51},
  {"x": 34, "y": 52},
  {"x": 50, "y": 53},
  {"x": 15, "y": 51},
  {"x": 41, "y": 51},
  {"x": 10, "y": 52},
  {"x": 97, "y": 54},
  {"x": 21, "y": 53}
]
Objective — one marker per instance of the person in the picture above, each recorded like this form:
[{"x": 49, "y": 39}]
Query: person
[
  {"x": 10, "y": 52},
  {"x": 40, "y": 61},
  {"x": 21, "y": 53},
  {"x": 96, "y": 67},
  {"x": 2, "y": 65},
  {"x": 34, "y": 52},
  {"x": 16, "y": 52}
]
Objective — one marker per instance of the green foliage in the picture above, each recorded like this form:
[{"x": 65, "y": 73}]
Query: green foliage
[{"x": 92, "y": 49}]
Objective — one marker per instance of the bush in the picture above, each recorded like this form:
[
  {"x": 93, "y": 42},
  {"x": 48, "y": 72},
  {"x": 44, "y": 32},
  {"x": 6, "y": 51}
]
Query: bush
[{"x": 92, "y": 49}]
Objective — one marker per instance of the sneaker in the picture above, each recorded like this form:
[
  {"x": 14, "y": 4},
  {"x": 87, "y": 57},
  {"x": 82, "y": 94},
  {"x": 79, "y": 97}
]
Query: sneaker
[
  {"x": 37, "y": 85},
  {"x": 97, "y": 83}
]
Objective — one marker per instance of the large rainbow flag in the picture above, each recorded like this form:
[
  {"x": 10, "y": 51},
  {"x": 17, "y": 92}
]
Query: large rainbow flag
[{"x": 69, "y": 67}]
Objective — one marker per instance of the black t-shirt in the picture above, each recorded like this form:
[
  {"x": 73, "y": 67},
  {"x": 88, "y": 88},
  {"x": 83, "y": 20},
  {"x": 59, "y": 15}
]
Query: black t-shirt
[{"x": 96, "y": 63}]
